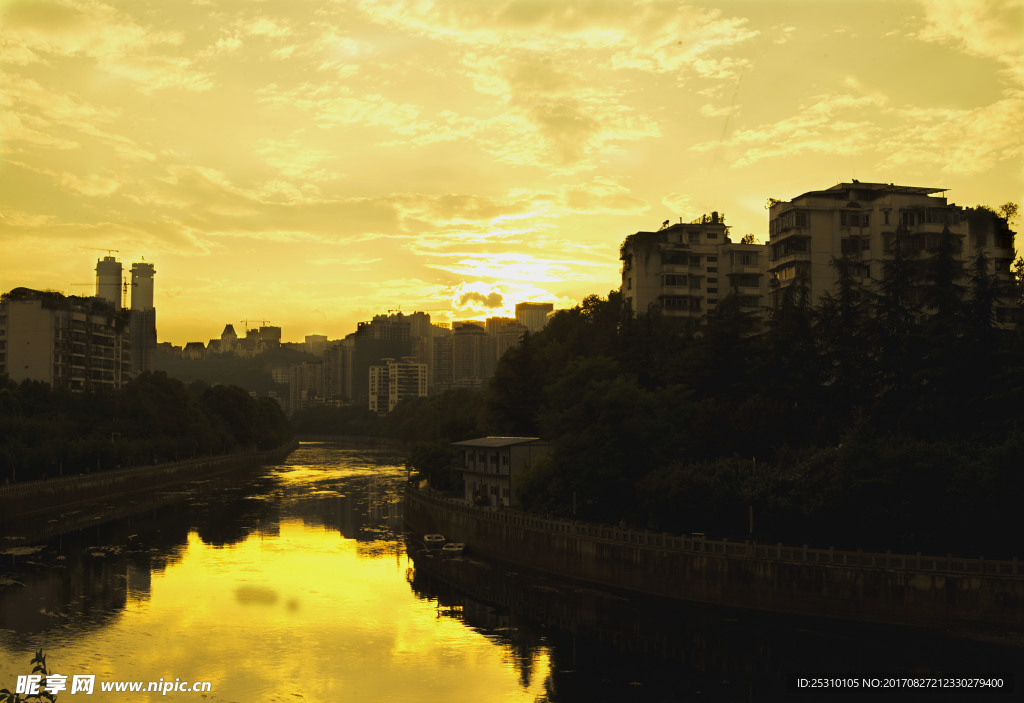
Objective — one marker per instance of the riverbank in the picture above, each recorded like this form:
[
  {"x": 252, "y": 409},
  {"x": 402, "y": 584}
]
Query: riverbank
[
  {"x": 29, "y": 498},
  {"x": 972, "y": 595},
  {"x": 357, "y": 441}
]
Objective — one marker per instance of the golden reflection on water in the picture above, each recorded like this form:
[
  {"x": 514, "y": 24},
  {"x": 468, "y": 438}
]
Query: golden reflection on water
[
  {"x": 299, "y": 613},
  {"x": 306, "y": 616}
]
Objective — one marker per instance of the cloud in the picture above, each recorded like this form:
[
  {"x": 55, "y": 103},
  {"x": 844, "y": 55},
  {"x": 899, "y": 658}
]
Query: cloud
[
  {"x": 516, "y": 267},
  {"x": 678, "y": 203},
  {"x": 602, "y": 195},
  {"x": 985, "y": 28},
  {"x": 464, "y": 216},
  {"x": 708, "y": 110},
  {"x": 825, "y": 124},
  {"x": 655, "y": 36},
  {"x": 963, "y": 142},
  {"x": 472, "y": 298},
  {"x": 91, "y": 185},
  {"x": 561, "y": 75},
  {"x": 119, "y": 46}
]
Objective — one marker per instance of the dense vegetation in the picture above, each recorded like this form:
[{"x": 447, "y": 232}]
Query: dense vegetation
[
  {"x": 885, "y": 419},
  {"x": 882, "y": 419},
  {"x": 46, "y": 432}
]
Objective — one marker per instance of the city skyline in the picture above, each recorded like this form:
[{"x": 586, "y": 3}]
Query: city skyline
[{"x": 315, "y": 164}]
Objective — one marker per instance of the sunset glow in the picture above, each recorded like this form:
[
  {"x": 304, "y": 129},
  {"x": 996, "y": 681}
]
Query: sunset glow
[{"x": 314, "y": 163}]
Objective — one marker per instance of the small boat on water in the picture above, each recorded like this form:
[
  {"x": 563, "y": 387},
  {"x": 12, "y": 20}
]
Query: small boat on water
[
  {"x": 434, "y": 541},
  {"x": 453, "y": 549}
]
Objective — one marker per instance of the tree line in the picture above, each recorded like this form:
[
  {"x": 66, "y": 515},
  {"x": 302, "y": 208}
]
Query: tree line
[
  {"x": 882, "y": 417},
  {"x": 47, "y": 432}
]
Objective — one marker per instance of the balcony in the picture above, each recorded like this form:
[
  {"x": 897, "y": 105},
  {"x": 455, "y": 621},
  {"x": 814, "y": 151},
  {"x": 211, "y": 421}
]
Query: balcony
[{"x": 798, "y": 256}]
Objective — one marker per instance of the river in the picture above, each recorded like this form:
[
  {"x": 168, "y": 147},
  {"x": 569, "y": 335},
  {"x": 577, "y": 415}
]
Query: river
[{"x": 297, "y": 582}]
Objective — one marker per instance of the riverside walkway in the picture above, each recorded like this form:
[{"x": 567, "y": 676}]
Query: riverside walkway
[{"x": 915, "y": 589}]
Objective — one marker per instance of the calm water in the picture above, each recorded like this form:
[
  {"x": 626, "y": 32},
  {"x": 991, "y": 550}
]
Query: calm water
[{"x": 297, "y": 583}]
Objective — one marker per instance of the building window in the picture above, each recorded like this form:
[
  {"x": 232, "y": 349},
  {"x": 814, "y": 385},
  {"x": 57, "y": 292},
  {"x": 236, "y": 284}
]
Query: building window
[
  {"x": 674, "y": 279},
  {"x": 849, "y": 218},
  {"x": 787, "y": 220},
  {"x": 712, "y": 235},
  {"x": 629, "y": 283},
  {"x": 942, "y": 216},
  {"x": 694, "y": 261}
]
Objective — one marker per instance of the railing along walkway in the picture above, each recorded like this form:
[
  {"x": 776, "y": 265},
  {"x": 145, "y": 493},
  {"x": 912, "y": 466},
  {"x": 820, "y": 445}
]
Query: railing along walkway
[{"x": 698, "y": 544}]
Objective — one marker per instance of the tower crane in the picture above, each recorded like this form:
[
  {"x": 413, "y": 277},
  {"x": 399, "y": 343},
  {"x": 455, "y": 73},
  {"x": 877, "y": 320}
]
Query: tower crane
[{"x": 109, "y": 251}]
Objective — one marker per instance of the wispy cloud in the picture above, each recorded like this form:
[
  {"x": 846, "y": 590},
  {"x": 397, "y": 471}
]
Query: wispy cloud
[
  {"x": 835, "y": 123},
  {"x": 987, "y": 28}
]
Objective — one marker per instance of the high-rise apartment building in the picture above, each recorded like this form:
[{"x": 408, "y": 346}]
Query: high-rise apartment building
[
  {"x": 305, "y": 386},
  {"x": 441, "y": 360},
  {"x": 507, "y": 333},
  {"x": 66, "y": 341},
  {"x": 315, "y": 343},
  {"x": 686, "y": 269},
  {"x": 338, "y": 371},
  {"x": 863, "y": 222},
  {"x": 533, "y": 316},
  {"x": 395, "y": 381},
  {"x": 143, "y": 316},
  {"x": 108, "y": 281}
]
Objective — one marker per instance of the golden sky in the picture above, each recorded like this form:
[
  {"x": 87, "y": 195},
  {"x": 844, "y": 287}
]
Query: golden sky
[{"x": 313, "y": 163}]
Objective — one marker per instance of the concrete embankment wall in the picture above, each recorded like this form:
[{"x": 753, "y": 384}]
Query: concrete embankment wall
[
  {"x": 903, "y": 589},
  {"x": 31, "y": 497}
]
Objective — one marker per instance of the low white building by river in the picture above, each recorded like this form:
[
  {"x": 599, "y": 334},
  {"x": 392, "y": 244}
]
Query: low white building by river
[{"x": 492, "y": 466}]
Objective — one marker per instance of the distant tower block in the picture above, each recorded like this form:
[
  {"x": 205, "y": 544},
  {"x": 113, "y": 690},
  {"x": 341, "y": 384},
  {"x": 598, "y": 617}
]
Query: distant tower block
[
  {"x": 142, "y": 286},
  {"x": 108, "y": 280},
  {"x": 143, "y": 318},
  {"x": 533, "y": 316}
]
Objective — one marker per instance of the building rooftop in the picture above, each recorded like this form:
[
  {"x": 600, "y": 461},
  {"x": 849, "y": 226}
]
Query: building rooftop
[{"x": 839, "y": 190}]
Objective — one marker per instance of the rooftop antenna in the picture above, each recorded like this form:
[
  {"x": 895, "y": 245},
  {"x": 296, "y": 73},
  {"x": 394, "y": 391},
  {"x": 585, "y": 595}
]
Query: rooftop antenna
[{"x": 246, "y": 323}]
